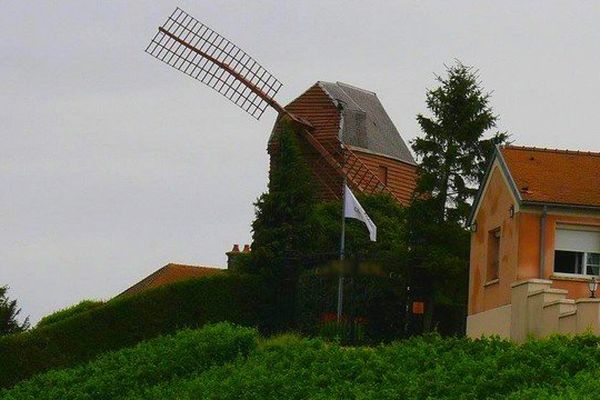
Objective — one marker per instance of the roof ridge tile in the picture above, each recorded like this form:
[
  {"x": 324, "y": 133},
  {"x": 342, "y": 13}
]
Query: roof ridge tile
[
  {"x": 339, "y": 83},
  {"x": 551, "y": 150}
]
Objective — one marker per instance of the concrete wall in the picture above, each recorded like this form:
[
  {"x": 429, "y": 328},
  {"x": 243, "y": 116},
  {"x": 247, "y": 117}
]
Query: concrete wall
[
  {"x": 536, "y": 309},
  {"x": 491, "y": 322}
]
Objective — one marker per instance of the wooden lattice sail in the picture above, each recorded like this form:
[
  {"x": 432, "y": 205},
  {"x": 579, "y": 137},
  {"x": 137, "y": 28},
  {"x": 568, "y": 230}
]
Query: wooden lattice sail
[{"x": 191, "y": 47}]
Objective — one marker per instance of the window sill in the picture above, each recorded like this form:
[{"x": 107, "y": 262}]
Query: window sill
[
  {"x": 492, "y": 282},
  {"x": 571, "y": 277}
]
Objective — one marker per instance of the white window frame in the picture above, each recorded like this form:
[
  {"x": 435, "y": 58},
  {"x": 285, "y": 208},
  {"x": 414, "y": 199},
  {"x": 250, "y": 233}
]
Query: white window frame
[{"x": 588, "y": 264}]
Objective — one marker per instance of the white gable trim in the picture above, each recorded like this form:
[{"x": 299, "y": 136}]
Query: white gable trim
[{"x": 496, "y": 165}]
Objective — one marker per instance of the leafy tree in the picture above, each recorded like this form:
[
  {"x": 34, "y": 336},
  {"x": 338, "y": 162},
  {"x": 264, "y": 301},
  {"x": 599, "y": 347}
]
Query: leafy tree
[
  {"x": 453, "y": 154},
  {"x": 281, "y": 229},
  {"x": 282, "y": 232},
  {"x": 8, "y": 315},
  {"x": 293, "y": 233},
  {"x": 375, "y": 290},
  {"x": 389, "y": 251}
]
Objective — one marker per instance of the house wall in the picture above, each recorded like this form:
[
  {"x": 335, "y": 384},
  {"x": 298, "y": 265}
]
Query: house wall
[
  {"x": 519, "y": 246},
  {"x": 529, "y": 248},
  {"x": 316, "y": 107},
  {"x": 401, "y": 176},
  {"x": 493, "y": 212},
  {"x": 540, "y": 301}
]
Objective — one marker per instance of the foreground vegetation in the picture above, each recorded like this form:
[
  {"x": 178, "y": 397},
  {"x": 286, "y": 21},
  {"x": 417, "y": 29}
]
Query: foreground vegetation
[
  {"x": 125, "y": 373},
  {"x": 78, "y": 335},
  {"x": 227, "y": 362}
]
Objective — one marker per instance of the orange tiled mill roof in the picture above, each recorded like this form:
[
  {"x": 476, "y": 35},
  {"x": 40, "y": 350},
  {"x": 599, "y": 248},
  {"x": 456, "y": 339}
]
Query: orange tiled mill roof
[
  {"x": 171, "y": 273},
  {"x": 555, "y": 176}
]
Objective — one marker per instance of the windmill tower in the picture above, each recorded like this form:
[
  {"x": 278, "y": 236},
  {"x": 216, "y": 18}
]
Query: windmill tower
[{"x": 344, "y": 131}]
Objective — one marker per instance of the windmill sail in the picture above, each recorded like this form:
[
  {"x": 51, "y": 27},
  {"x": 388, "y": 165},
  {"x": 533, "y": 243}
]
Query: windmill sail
[{"x": 191, "y": 47}]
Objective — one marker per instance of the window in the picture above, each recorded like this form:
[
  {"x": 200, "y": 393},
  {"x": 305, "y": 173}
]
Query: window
[
  {"x": 382, "y": 174},
  {"x": 577, "y": 251},
  {"x": 493, "y": 255}
]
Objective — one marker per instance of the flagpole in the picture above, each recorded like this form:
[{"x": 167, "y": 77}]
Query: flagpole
[{"x": 340, "y": 298}]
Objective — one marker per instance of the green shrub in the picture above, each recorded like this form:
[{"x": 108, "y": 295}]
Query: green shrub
[
  {"x": 128, "y": 320},
  {"x": 376, "y": 304},
  {"x": 123, "y": 373},
  {"x": 290, "y": 367},
  {"x": 343, "y": 331},
  {"x": 584, "y": 385},
  {"x": 419, "y": 368},
  {"x": 68, "y": 312}
]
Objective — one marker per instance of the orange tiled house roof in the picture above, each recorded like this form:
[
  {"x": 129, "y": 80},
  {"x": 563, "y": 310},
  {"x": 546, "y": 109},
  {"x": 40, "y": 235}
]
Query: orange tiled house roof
[
  {"x": 560, "y": 177},
  {"x": 171, "y": 273}
]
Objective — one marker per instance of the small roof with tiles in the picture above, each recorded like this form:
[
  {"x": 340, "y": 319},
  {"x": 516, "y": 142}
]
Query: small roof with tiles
[
  {"x": 547, "y": 177},
  {"x": 172, "y": 273},
  {"x": 560, "y": 177}
]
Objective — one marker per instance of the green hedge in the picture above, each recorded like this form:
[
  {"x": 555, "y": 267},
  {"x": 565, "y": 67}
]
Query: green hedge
[
  {"x": 419, "y": 368},
  {"x": 131, "y": 371},
  {"x": 68, "y": 312},
  {"x": 128, "y": 320}
]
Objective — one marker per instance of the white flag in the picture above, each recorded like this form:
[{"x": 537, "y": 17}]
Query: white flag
[{"x": 353, "y": 209}]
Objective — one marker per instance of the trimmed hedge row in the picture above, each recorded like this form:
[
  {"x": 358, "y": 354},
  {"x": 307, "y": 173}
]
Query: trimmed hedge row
[
  {"x": 68, "y": 312},
  {"x": 126, "y": 321},
  {"x": 132, "y": 371}
]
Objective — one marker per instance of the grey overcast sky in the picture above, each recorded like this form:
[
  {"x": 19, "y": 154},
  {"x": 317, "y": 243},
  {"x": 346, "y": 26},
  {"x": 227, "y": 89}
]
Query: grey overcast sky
[{"x": 112, "y": 164}]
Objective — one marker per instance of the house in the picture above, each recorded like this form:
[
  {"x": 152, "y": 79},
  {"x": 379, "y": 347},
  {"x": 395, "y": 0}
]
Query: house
[
  {"x": 535, "y": 244},
  {"x": 171, "y": 273},
  {"x": 351, "y": 126}
]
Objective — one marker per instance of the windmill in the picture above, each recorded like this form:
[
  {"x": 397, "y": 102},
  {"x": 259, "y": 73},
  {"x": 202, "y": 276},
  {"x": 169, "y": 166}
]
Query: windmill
[{"x": 191, "y": 47}]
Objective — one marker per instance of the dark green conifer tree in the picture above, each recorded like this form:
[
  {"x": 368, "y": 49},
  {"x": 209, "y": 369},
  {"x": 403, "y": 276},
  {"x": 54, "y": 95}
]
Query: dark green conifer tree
[
  {"x": 453, "y": 154},
  {"x": 9, "y": 312}
]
